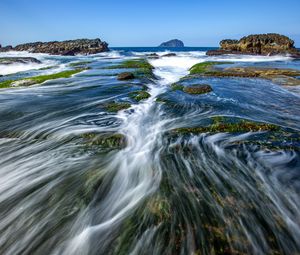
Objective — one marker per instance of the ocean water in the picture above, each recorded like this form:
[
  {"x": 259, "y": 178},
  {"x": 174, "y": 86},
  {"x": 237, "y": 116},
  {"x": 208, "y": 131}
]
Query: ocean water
[{"x": 211, "y": 193}]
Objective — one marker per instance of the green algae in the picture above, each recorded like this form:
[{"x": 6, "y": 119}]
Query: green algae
[
  {"x": 133, "y": 63},
  {"x": 117, "y": 106},
  {"x": 82, "y": 63},
  {"x": 40, "y": 79},
  {"x": 176, "y": 86},
  {"x": 139, "y": 95},
  {"x": 220, "y": 127},
  {"x": 106, "y": 140},
  {"x": 204, "y": 67}
]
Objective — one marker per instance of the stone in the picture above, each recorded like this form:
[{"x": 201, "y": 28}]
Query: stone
[
  {"x": 19, "y": 60},
  {"x": 197, "y": 89},
  {"x": 65, "y": 48},
  {"x": 258, "y": 44},
  {"x": 125, "y": 76},
  {"x": 169, "y": 55}
]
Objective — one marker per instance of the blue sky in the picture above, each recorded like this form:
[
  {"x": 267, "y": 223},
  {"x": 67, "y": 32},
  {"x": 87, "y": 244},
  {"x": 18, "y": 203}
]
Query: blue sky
[{"x": 146, "y": 22}]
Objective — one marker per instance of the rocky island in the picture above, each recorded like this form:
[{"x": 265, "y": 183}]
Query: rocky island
[
  {"x": 64, "y": 48},
  {"x": 259, "y": 44},
  {"x": 172, "y": 43}
]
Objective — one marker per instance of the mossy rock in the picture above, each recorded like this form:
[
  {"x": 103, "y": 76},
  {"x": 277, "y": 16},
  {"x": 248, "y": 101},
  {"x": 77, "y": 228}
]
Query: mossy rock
[
  {"x": 125, "y": 76},
  {"x": 39, "y": 79},
  {"x": 105, "y": 140},
  {"x": 133, "y": 63},
  {"x": 205, "y": 67},
  {"x": 221, "y": 126},
  {"x": 117, "y": 106},
  {"x": 198, "y": 89},
  {"x": 140, "y": 95},
  {"x": 176, "y": 86},
  {"x": 81, "y": 63}
]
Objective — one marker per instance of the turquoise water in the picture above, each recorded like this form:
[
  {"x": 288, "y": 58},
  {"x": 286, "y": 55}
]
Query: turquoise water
[{"x": 208, "y": 193}]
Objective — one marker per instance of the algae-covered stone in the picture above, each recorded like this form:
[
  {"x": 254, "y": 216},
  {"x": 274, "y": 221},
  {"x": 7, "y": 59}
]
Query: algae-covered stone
[
  {"x": 140, "y": 95},
  {"x": 176, "y": 86},
  {"x": 198, "y": 89},
  {"x": 204, "y": 67},
  {"x": 221, "y": 126},
  {"x": 117, "y": 106},
  {"x": 105, "y": 140},
  {"x": 39, "y": 79}
]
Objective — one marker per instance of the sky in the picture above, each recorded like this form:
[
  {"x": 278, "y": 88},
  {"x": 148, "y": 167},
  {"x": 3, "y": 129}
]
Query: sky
[{"x": 146, "y": 22}]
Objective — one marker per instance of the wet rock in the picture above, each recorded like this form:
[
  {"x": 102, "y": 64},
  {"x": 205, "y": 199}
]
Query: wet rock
[
  {"x": 117, "y": 106},
  {"x": 67, "y": 48},
  {"x": 25, "y": 82},
  {"x": 105, "y": 140},
  {"x": 259, "y": 44},
  {"x": 19, "y": 60},
  {"x": 125, "y": 76},
  {"x": 169, "y": 55},
  {"x": 5, "y": 49},
  {"x": 172, "y": 43},
  {"x": 153, "y": 56},
  {"x": 198, "y": 89},
  {"x": 140, "y": 95}
]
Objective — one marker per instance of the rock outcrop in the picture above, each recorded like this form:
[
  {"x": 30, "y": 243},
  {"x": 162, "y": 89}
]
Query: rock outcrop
[
  {"x": 172, "y": 43},
  {"x": 18, "y": 60},
  {"x": 261, "y": 44},
  {"x": 65, "y": 48}
]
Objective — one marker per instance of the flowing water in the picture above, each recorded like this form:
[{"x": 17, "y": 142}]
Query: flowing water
[{"x": 160, "y": 194}]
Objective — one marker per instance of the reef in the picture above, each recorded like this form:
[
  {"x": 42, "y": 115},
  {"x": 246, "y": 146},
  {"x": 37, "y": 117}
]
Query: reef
[
  {"x": 38, "y": 79},
  {"x": 65, "y": 48},
  {"x": 258, "y": 44}
]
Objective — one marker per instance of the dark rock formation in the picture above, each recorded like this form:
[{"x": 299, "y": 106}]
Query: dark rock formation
[
  {"x": 169, "y": 55},
  {"x": 198, "y": 89},
  {"x": 125, "y": 76},
  {"x": 66, "y": 48},
  {"x": 18, "y": 60},
  {"x": 261, "y": 44},
  {"x": 172, "y": 43},
  {"x": 5, "y": 49}
]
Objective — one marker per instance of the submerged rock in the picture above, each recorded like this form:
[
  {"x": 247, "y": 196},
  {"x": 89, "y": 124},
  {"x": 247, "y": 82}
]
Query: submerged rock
[
  {"x": 172, "y": 43},
  {"x": 105, "y": 140},
  {"x": 198, "y": 89},
  {"x": 67, "y": 48},
  {"x": 169, "y": 55},
  {"x": 125, "y": 76},
  {"x": 19, "y": 60},
  {"x": 259, "y": 44}
]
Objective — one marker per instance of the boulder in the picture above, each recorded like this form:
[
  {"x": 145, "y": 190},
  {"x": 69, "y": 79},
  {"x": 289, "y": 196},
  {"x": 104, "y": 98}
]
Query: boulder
[
  {"x": 260, "y": 44},
  {"x": 65, "y": 48},
  {"x": 198, "y": 89},
  {"x": 19, "y": 60},
  {"x": 169, "y": 55},
  {"x": 125, "y": 76},
  {"x": 6, "y": 48},
  {"x": 172, "y": 43}
]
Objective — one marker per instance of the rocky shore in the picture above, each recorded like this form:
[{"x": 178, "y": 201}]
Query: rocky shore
[
  {"x": 64, "y": 48},
  {"x": 260, "y": 44}
]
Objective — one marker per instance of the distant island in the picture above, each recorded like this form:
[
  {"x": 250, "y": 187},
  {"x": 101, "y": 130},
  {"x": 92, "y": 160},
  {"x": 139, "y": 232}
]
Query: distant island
[{"x": 172, "y": 43}]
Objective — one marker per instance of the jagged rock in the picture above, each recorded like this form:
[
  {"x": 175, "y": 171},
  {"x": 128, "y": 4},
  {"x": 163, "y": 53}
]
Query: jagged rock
[
  {"x": 172, "y": 43},
  {"x": 260, "y": 44},
  {"x": 6, "y": 48},
  {"x": 66, "y": 48},
  {"x": 125, "y": 76},
  {"x": 169, "y": 55},
  {"x": 18, "y": 60}
]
